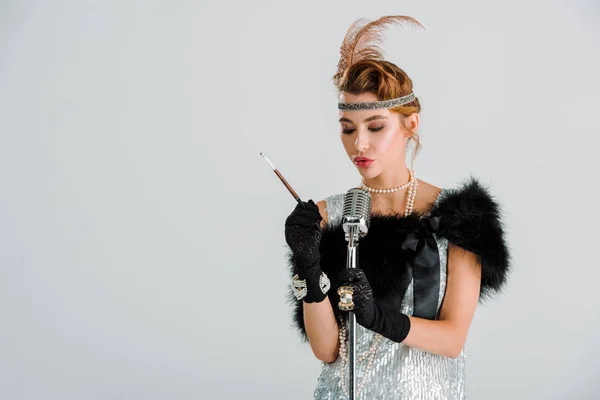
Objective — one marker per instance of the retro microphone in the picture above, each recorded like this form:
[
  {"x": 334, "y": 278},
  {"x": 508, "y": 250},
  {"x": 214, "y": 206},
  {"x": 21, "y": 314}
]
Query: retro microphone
[{"x": 355, "y": 221}]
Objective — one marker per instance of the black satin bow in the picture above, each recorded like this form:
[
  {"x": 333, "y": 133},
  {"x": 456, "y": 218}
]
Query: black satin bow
[{"x": 425, "y": 265}]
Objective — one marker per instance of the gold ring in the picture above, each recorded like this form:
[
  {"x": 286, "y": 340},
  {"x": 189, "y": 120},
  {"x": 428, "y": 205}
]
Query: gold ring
[{"x": 346, "y": 303}]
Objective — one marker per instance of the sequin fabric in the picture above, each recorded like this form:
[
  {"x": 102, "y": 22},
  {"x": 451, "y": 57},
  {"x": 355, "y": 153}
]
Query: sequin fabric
[{"x": 398, "y": 371}]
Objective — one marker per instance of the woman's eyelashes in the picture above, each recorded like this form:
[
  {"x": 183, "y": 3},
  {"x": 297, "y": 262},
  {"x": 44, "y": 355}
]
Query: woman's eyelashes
[{"x": 373, "y": 129}]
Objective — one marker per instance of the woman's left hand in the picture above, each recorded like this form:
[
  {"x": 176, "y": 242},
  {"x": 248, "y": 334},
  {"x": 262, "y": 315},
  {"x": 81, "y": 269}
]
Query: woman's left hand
[{"x": 364, "y": 303}]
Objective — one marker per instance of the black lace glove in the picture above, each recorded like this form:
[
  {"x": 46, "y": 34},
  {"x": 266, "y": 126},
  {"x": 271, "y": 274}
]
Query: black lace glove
[
  {"x": 369, "y": 313},
  {"x": 303, "y": 236}
]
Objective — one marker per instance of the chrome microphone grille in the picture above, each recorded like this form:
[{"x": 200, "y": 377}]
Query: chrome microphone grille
[{"x": 357, "y": 209}]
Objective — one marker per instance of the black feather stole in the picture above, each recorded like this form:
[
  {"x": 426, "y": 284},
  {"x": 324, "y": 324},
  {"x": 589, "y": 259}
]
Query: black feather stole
[
  {"x": 471, "y": 218},
  {"x": 468, "y": 217}
]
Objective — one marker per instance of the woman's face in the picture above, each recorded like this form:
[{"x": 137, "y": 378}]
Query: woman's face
[{"x": 375, "y": 140}]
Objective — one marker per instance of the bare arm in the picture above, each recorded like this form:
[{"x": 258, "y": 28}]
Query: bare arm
[
  {"x": 447, "y": 335},
  {"x": 319, "y": 320},
  {"x": 322, "y": 330}
]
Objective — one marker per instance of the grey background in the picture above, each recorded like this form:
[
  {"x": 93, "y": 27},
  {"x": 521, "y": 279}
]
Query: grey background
[{"x": 142, "y": 249}]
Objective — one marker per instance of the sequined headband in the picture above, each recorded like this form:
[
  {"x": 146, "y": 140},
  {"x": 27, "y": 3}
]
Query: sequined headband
[{"x": 372, "y": 105}]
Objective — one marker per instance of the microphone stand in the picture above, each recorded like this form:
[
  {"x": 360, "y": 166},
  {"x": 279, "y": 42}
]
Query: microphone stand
[
  {"x": 351, "y": 261},
  {"x": 357, "y": 211}
]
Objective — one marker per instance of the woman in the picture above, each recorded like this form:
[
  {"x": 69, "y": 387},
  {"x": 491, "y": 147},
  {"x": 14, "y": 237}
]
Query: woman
[{"x": 430, "y": 254}]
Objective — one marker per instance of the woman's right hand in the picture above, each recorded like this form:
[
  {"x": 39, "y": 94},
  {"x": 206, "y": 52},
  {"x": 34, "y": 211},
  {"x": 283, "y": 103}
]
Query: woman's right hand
[{"x": 303, "y": 236}]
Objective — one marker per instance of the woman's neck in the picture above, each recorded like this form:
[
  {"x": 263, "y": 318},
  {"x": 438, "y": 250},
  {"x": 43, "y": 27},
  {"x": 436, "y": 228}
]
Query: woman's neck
[
  {"x": 389, "y": 179},
  {"x": 389, "y": 203}
]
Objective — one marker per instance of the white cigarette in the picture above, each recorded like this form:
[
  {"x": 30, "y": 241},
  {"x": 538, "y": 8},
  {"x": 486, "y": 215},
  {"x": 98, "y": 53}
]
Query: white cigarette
[{"x": 270, "y": 163}]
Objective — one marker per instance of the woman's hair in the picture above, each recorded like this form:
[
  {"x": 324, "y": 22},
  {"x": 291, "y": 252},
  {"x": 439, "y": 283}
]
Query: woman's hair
[{"x": 362, "y": 68}]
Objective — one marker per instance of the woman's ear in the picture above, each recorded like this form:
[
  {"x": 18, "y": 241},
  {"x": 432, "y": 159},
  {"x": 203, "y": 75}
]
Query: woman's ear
[{"x": 412, "y": 124}]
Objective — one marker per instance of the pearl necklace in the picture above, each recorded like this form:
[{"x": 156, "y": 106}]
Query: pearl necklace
[
  {"x": 411, "y": 175},
  {"x": 370, "y": 354},
  {"x": 412, "y": 185}
]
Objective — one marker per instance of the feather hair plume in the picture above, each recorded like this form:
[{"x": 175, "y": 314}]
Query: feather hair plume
[{"x": 363, "y": 39}]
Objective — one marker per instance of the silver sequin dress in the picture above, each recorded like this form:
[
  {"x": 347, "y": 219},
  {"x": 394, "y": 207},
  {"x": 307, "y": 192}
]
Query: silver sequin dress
[{"x": 398, "y": 371}]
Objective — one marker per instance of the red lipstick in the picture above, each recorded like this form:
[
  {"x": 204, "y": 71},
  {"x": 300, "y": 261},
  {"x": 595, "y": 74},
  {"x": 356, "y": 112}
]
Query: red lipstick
[{"x": 363, "y": 162}]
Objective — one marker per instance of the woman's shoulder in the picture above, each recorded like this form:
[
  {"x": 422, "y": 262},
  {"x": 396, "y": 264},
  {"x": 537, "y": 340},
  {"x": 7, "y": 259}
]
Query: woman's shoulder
[
  {"x": 470, "y": 217},
  {"x": 469, "y": 204},
  {"x": 469, "y": 195}
]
